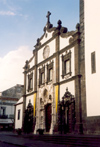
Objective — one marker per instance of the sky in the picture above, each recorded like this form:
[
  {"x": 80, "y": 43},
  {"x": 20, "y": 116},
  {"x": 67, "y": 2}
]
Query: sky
[{"x": 21, "y": 23}]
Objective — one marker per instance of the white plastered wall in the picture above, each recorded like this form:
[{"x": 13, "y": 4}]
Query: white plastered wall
[
  {"x": 92, "y": 43},
  {"x": 9, "y": 109},
  {"x": 46, "y": 37},
  {"x": 29, "y": 98},
  {"x": 71, "y": 88},
  {"x": 64, "y": 42},
  {"x": 32, "y": 62},
  {"x": 52, "y": 51},
  {"x": 18, "y": 123}
]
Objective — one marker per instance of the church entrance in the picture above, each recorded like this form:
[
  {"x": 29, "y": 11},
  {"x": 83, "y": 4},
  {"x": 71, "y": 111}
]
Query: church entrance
[
  {"x": 66, "y": 113},
  {"x": 69, "y": 115},
  {"x": 48, "y": 117},
  {"x": 29, "y": 121}
]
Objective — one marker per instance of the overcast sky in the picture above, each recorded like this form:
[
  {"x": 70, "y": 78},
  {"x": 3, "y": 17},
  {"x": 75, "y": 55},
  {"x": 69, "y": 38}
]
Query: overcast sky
[{"x": 21, "y": 23}]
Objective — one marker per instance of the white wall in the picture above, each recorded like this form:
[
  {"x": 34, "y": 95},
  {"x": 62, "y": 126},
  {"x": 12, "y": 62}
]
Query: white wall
[
  {"x": 71, "y": 88},
  {"x": 52, "y": 51},
  {"x": 32, "y": 62},
  {"x": 9, "y": 109},
  {"x": 92, "y": 41},
  {"x": 49, "y": 35},
  {"x": 31, "y": 99},
  {"x": 18, "y": 123},
  {"x": 64, "y": 42}
]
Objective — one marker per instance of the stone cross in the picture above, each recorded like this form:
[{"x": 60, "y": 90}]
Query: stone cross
[{"x": 48, "y": 17}]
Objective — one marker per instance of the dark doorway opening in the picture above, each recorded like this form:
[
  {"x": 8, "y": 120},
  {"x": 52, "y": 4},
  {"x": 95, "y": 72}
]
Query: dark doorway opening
[
  {"x": 48, "y": 117},
  {"x": 66, "y": 113}
]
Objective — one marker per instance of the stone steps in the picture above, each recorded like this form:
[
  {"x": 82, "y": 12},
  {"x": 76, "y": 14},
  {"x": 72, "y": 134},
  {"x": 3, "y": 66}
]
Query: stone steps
[{"x": 85, "y": 141}]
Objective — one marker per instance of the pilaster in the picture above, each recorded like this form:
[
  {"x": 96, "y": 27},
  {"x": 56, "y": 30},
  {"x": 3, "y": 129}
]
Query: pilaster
[
  {"x": 82, "y": 66},
  {"x": 24, "y": 98},
  {"x": 78, "y": 105},
  {"x": 35, "y": 70}
]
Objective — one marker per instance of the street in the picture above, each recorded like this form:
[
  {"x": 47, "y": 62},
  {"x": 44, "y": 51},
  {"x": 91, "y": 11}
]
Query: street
[
  {"x": 2, "y": 144},
  {"x": 10, "y": 139}
]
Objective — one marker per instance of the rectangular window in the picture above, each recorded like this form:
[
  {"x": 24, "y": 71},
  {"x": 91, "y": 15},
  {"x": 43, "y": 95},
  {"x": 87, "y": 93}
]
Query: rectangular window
[
  {"x": 3, "y": 110},
  {"x": 67, "y": 66},
  {"x": 93, "y": 62},
  {"x": 30, "y": 81},
  {"x": 19, "y": 114},
  {"x": 50, "y": 74},
  {"x": 42, "y": 77}
]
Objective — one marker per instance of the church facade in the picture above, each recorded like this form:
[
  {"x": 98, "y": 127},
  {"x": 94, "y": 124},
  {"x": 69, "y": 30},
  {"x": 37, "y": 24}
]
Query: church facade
[
  {"x": 51, "y": 72},
  {"x": 56, "y": 80}
]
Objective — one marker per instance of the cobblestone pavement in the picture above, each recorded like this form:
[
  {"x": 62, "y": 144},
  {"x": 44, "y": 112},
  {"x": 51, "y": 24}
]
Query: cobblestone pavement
[{"x": 9, "y": 139}]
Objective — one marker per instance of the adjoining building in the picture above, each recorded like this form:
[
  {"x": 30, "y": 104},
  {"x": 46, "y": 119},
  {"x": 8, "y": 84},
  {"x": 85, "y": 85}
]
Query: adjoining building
[
  {"x": 8, "y": 99},
  {"x": 89, "y": 55},
  {"x": 61, "y": 80},
  {"x": 18, "y": 113}
]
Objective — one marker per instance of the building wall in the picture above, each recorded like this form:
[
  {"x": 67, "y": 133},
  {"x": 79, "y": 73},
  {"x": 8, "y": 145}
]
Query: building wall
[
  {"x": 71, "y": 87},
  {"x": 13, "y": 92},
  {"x": 46, "y": 37},
  {"x": 64, "y": 42},
  {"x": 89, "y": 28},
  {"x": 32, "y": 62},
  {"x": 9, "y": 109},
  {"x": 8, "y": 99},
  {"x": 52, "y": 50},
  {"x": 29, "y": 98},
  {"x": 92, "y": 32},
  {"x": 18, "y": 123}
]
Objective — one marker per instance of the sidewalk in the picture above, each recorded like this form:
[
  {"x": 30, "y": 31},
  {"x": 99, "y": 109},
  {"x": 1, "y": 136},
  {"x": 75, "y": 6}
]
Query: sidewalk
[
  {"x": 69, "y": 140},
  {"x": 13, "y": 138}
]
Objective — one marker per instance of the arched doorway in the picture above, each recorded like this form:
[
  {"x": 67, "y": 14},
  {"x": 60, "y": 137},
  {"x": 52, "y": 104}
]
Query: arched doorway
[
  {"x": 69, "y": 115},
  {"x": 66, "y": 113},
  {"x": 48, "y": 117},
  {"x": 29, "y": 120}
]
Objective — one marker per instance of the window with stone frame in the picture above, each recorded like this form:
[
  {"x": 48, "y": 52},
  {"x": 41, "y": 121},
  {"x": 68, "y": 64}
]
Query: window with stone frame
[
  {"x": 3, "y": 110},
  {"x": 42, "y": 76},
  {"x": 30, "y": 82},
  {"x": 18, "y": 114},
  {"x": 93, "y": 63},
  {"x": 66, "y": 64},
  {"x": 49, "y": 72}
]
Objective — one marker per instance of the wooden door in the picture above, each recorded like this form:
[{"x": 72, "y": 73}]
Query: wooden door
[
  {"x": 48, "y": 117},
  {"x": 71, "y": 118}
]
